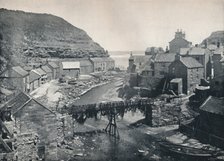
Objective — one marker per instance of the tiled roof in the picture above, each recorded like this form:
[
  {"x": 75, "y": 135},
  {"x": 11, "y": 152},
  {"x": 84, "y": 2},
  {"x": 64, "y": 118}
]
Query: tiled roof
[
  {"x": 190, "y": 62},
  {"x": 20, "y": 71},
  {"x": 53, "y": 64},
  {"x": 34, "y": 76},
  {"x": 46, "y": 69},
  {"x": 71, "y": 65},
  {"x": 101, "y": 59},
  {"x": 213, "y": 105},
  {"x": 165, "y": 58}
]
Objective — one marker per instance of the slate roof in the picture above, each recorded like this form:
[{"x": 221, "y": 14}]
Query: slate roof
[
  {"x": 71, "y": 65},
  {"x": 46, "y": 69},
  {"x": 39, "y": 71},
  {"x": 213, "y": 105},
  {"x": 18, "y": 101},
  {"x": 101, "y": 59},
  {"x": 190, "y": 62},
  {"x": 141, "y": 58},
  {"x": 53, "y": 65},
  {"x": 197, "y": 51},
  {"x": 165, "y": 58},
  {"x": 20, "y": 71},
  {"x": 177, "y": 39},
  {"x": 183, "y": 51},
  {"x": 34, "y": 76}
]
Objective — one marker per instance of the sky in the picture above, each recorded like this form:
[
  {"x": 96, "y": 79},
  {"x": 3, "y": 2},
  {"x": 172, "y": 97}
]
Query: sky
[{"x": 132, "y": 24}]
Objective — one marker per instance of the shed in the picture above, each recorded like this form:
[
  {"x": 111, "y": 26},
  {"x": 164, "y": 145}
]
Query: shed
[{"x": 176, "y": 86}]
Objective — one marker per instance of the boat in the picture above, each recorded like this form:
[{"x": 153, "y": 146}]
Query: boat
[{"x": 185, "y": 152}]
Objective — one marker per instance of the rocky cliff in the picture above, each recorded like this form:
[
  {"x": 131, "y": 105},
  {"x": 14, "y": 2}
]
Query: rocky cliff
[{"x": 44, "y": 35}]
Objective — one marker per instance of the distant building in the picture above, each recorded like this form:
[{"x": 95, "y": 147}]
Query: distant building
[
  {"x": 153, "y": 51},
  {"x": 189, "y": 69},
  {"x": 55, "y": 69},
  {"x": 162, "y": 63},
  {"x": 34, "y": 80},
  {"x": 18, "y": 78},
  {"x": 102, "y": 63},
  {"x": 201, "y": 55},
  {"x": 217, "y": 56},
  {"x": 86, "y": 67},
  {"x": 138, "y": 62},
  {"x": 47, "y": 70},
  {"x": 42, "y": 74},
  {"x": 178, "y": 42},
  {"x": 71, "y": 69},
  {"x": 217, "y": 86}
]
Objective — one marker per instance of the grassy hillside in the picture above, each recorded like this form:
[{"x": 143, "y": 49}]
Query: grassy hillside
[{"x": 44, "y": 35}]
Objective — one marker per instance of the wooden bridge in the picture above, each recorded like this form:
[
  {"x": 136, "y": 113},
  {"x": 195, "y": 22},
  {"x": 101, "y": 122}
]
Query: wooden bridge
[{"x": 111, "y": 109}]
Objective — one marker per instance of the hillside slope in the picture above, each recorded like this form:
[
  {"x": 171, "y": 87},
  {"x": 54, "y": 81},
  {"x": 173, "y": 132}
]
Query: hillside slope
[
  {"x": 214, "y": 38},
  {"x": 44, "y": 35}
]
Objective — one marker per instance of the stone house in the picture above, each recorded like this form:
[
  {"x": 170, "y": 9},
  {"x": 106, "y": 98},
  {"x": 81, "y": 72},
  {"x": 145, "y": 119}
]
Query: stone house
[
  {"x": 31, "y": 117},
  {"x": 161, "y": 64},
  {"x": 49, "y": 72},
  {"x": 18, "y": 77},
  {"x": 189, "y": 69},
  {"x": 217, "y": 86},
  {"x": 86, "y": 67},
  {"x": 217, "y": 56},
  {"x": 178, "y": 42},
  {"x": 42, "y": 73},
  {"x": 71, "y": 69},
  {"x": 202, "y": 56},
  {"x": 55, "y": 69},
  {"x": 102, "y": 63},
  {"x": 211, "y": 121},
  {"x": 34, "y": 81}
]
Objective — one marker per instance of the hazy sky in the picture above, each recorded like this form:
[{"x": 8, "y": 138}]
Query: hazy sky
[{"x": 132, "y": 24}]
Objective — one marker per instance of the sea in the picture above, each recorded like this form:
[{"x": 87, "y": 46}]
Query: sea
[{"x": 121, "y": 57}]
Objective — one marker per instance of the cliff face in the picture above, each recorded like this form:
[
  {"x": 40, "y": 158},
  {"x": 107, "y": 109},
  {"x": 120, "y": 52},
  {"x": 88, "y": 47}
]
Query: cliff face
[
  {"x": 43, "y": 35},
  {"x": 214, "y": 38}
]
